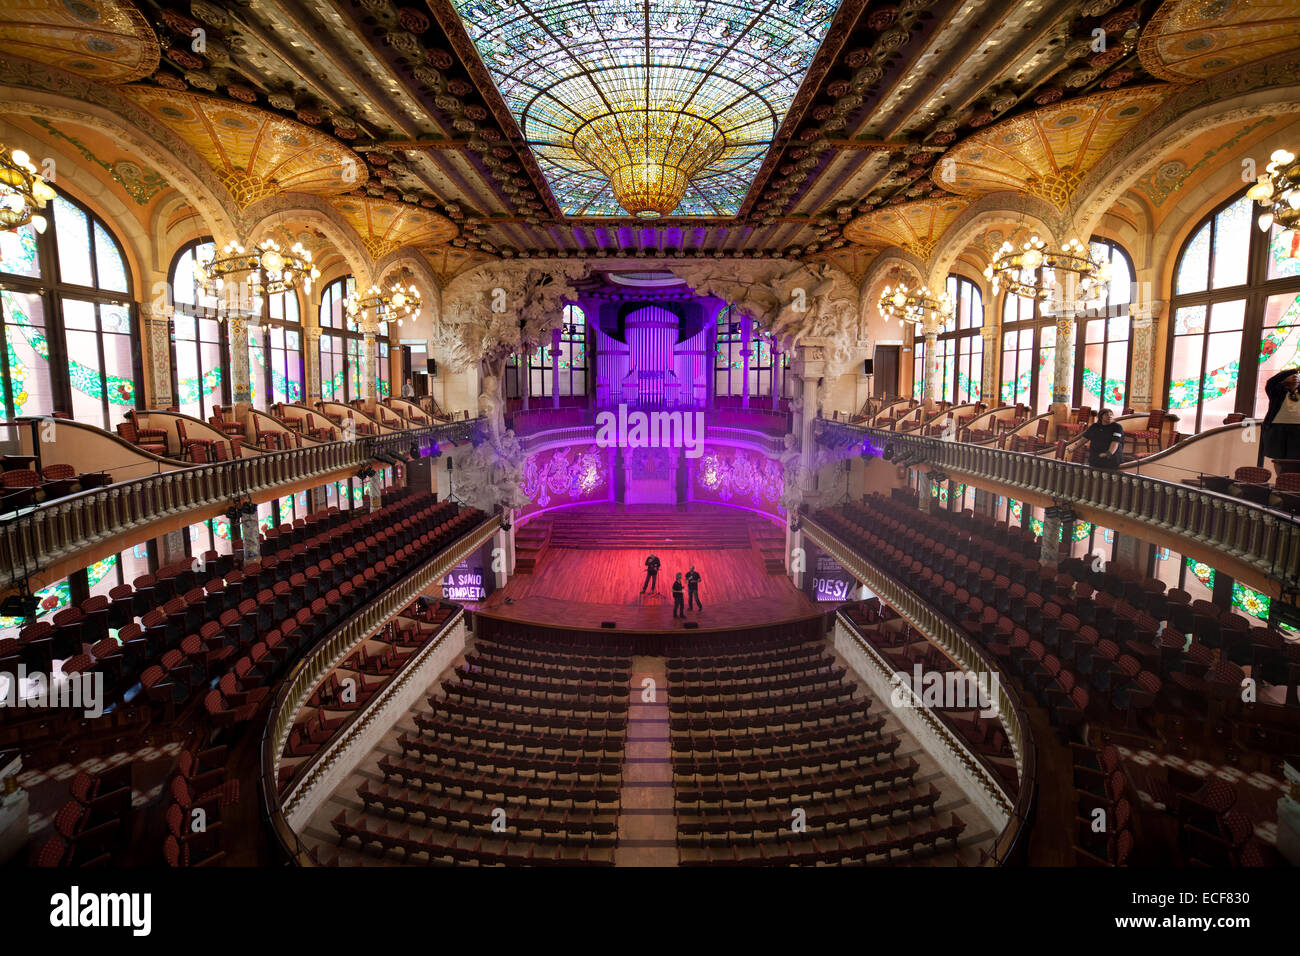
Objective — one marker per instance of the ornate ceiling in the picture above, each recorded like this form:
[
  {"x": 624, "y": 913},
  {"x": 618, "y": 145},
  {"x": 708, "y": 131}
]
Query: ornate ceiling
[{"x": 854, "y": 120}]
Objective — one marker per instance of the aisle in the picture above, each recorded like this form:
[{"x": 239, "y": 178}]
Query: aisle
[{"x": 647, "y": 823}]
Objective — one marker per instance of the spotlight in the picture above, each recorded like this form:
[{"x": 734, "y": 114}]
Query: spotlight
[
  {"x": 888, "y": 453},
  {"x": 415, "y": 451}
]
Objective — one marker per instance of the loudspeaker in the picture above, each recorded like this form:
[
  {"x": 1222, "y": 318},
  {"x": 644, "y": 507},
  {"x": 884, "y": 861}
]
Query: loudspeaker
[
  {"x": 609, "y": 625},
  {"x": 868, "y": 366},
  {"x": 449, "y": 464},
  {"x": 433, "y": 368},
  {"x": 691, "y": 625}
]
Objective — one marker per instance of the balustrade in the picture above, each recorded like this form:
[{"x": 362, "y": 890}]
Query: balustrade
[
  {"x": 55, "y": 530},
  {"x": 1255, "y": 535}
]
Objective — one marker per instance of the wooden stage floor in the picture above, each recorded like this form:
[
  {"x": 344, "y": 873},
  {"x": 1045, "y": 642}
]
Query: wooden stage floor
[{"x": 582, "y": 588}]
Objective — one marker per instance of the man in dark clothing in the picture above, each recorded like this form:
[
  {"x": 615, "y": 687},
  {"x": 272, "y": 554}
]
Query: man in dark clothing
[
  {"x": 651, "y": 574},
  {"x": 679, "y": 609},
  {"x": 1280, "y": 436},
  {"x": 1105, "y": 441},
  {"x": 693, "y": 589}
]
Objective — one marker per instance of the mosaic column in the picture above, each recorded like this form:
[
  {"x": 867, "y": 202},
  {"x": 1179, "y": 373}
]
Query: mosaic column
[
  {"x": 240, "y": 387},
  {"x": 1143, "y": 338},
  {"x": 931, "y": 369},
  {"x": 311, "y": 357},
  {"x": 155, "y": 332},
  {"x": 369, "y": 387},
  {"x": 989, "y": 374},
  {"x": 1063, "y": 361}
]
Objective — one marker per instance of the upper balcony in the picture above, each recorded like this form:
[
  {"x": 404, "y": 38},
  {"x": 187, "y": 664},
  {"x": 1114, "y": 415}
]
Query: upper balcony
[
  {"x": 74, "y": 490},
  {"x": 1167, "y": 497}
]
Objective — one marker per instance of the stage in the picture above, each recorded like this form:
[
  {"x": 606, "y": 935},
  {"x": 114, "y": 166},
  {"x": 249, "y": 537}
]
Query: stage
[{"x": 583, "y": 587}]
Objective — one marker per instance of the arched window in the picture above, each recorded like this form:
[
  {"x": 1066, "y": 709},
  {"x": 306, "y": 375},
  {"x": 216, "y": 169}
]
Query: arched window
[
  {"x": 200, "y": 350},
  {"x": 67, "y": 326},
  {"x": 1235, "y": 318},
  {"x": 1101, "y": 378},
  {"x": 341, "y": 344},
  {"x": 1028, "y": 351},
  {"x": 275, "y": 371},
  {"x": 960, "y": 347}
]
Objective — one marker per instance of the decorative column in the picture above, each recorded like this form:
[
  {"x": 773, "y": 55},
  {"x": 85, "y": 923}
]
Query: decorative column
[
  {"x": 930, "y": 331},
  {"x": 810, "y": 366},
  {"x": 746, "y": 340},
  {"x": 368, "y": 384},
  {"x": 1063, "y": 361},
  {"x": 1063, "y": 356},
  {"x": 989, "y": 374},
  {"x": 155, "y": 332},
  {"x": 240, "y": 389},
  {"x": 311, "y": 362},
  {"x": 776, "y": 376},
  {"x": 555, "y": 368},
  {"x": 250, "y": 534},
  {"x": 1143, "y": 337}
]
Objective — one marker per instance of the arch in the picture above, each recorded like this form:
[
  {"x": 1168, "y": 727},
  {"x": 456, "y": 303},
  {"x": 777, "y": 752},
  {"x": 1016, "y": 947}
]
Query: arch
[
  {"x": 996, "y": 209},
  {"x": 1193, "y": 111},
  {"x": 137, "y": 132},
  {"x": 262, "y": 217}
]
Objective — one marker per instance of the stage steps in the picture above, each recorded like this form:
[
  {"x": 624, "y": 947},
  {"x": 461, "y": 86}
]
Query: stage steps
[
  {"x": 689, "y": 530},
  {"x": 530, "y": 541},
  {"x": 770, "y": 543}
]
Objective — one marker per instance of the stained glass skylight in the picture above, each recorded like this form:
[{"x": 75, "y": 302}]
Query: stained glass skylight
[{"x": 565, "y": 67}]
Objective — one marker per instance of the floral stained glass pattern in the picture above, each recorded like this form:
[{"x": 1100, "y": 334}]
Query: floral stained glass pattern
[{"x": 562, "y": 65}]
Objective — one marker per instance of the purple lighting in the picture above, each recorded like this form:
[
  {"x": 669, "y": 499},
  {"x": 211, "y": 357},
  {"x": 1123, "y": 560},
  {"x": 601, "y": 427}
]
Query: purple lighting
[
  {"x": 740, "y": 474},
  {"x": 564, "y": 473}
]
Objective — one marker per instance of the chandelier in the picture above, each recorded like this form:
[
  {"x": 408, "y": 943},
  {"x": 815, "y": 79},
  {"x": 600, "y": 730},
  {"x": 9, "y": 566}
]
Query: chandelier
[
  {"x": 266, "y": 271},
  {"x": 394, "y": 304},
  {"x": 913, "y": 305},
  {"x": 1278, "y": 193},
  {"x": 1031, "y": 271},
  {"x": 23, "y": 191},
  {"x": 649, "y": 156}
]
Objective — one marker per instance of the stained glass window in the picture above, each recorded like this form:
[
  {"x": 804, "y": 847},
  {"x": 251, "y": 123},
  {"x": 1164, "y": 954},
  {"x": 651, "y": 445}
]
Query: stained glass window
[
  {"x": 82, "y": 323},
  {"x": 342, "y": 352},
  {"x": 561, "y": 64},
  {"x": 200, "y": 367},
  {"x": 729, "y": 363},
  {"x": 1229, "y": 334}
]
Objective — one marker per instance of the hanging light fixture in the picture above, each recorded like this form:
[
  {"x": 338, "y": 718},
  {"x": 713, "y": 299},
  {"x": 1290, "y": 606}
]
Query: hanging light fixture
[
  {"x": 914, "y": 305},
  {"x": 650, "y": 156},
  {"x": 395, "y": 304},
  {"x": 266, "y": 270},
  {"x": 23, "y": 191},
  {"x": 1032, "y": 270},
  {"x": 1278, "y": 194}
]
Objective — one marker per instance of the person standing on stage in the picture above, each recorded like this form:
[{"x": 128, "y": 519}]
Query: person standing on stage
[
  {"x": 651, "y": 574},
  {"x": 693, "y": 589},
  {"x": 679, "y": 609}
]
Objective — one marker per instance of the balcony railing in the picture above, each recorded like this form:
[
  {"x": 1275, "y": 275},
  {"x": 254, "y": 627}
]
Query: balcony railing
[
  {"x": 297, "y": 687},
  {"x": 953, "y": 641},
  {"x": 58, "y": 529},
  {"x": 1264, "y": 540}
]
